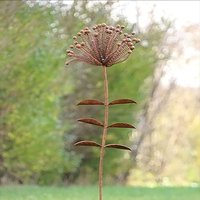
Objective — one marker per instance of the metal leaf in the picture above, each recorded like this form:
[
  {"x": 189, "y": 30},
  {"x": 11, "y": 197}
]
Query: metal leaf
[
  {"x": 87, "y": 143},
  {"x": 121, "y": 125},
  {"x": 90, "y": 102},
  {"x": 121, "y": 101},
  {"x": 91, "y": 121},
  {"x": 117, "y": 146}
]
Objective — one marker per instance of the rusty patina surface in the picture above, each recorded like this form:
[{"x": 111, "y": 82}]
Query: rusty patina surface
[{"x": 103, "y": 46}]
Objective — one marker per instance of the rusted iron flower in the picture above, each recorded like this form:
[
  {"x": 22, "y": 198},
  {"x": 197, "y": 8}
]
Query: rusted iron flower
[{"x": 102, "y": 45}]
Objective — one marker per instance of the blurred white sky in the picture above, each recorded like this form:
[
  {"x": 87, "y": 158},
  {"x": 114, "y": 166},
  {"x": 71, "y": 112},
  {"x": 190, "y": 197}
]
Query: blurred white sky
[{"x": 183, "y": 13}]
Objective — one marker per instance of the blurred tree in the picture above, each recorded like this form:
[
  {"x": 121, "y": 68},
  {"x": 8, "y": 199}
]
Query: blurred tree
[
  {"x": 167, "y": 142},
  {"x": 32, "y": 146}
]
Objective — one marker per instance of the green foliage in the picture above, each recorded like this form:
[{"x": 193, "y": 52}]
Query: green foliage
[{"x": 33, "y": 145}]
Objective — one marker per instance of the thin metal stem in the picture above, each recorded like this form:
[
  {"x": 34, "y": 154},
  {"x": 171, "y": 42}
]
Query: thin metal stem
[{"x": 104, "y": 132}]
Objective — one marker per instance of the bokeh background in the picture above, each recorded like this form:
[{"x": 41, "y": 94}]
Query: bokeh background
[{"x": 38, "y": 94}]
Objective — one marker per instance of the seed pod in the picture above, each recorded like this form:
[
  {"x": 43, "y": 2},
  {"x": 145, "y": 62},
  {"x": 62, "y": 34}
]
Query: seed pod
[
  {"x": 70, "y": 54},
  {"x": 117, "y": 30},
  {"x": 136, "y": 40},
  {"x": 78, "y": 46},
  {"x": 74, "y": 37},
  {"x": 130, "y": 44},
  {"x": 129, "y": 52},
  {"x": 96, "y": 34}
]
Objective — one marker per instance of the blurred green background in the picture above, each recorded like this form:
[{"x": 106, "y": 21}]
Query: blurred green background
[{"x": 38, "y": 97}]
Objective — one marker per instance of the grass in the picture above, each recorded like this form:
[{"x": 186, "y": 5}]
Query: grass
[{"x": 91, "y": 193}]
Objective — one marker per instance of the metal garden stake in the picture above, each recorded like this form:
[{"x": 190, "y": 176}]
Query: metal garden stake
[{"x": 103, "y": 46}]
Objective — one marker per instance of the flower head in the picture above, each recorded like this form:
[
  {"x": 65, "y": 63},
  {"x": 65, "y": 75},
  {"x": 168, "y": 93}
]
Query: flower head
[{"x": 102, "y": 45}]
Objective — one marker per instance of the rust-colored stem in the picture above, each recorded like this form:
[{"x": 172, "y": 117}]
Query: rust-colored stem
[{"x": 104, "y": 131}]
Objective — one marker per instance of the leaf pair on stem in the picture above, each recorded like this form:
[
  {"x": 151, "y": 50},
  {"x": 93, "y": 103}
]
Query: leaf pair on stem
[{"x": 99, "y": 123}]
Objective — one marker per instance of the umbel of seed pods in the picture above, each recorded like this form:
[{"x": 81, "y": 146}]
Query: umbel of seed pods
[{"x": 102, "y": 46}]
